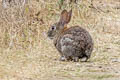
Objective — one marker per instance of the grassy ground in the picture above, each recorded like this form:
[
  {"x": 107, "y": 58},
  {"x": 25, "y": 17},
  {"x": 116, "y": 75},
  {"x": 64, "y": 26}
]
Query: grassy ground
[{"x": 27, "y": 54}]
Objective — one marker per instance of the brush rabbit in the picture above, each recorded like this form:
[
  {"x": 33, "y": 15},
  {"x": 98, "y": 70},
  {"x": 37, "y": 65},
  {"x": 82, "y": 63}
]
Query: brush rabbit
[{"x": 73, "y": 43}]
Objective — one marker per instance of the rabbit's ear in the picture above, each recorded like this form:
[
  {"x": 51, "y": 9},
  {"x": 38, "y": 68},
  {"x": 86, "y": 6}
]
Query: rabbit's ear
[
  {"x": 69, "y": 16},
  {"x": 65, "y": 17}
]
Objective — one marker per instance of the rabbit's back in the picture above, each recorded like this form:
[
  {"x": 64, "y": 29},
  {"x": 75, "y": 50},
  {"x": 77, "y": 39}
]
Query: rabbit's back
[{"x": 74, "y": 42}]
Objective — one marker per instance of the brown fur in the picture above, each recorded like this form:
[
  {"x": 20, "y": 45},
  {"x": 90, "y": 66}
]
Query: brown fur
[{"x": 72, "y": 43}]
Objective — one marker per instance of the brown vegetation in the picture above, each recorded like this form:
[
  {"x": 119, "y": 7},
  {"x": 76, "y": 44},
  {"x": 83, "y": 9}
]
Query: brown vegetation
[{"x": 27, "y": 54}]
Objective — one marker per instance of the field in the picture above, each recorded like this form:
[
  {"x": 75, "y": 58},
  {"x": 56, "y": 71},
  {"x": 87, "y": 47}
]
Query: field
[{"x": 26, "y": 53}]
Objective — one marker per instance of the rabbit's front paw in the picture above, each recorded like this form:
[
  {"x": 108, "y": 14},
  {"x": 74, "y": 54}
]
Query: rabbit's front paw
[{"x": 62, "y": 58}]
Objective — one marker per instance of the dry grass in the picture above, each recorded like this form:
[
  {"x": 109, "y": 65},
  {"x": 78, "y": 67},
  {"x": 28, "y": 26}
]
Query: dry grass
[{"x": 27, "y": 54}]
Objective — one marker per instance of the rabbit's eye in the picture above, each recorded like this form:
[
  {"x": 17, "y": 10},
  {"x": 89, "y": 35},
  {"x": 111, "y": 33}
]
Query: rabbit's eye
[{"x": 53, "y": 27}]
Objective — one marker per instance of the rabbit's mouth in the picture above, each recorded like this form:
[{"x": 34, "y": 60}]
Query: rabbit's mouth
[{"x": 50, "y": 37}]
